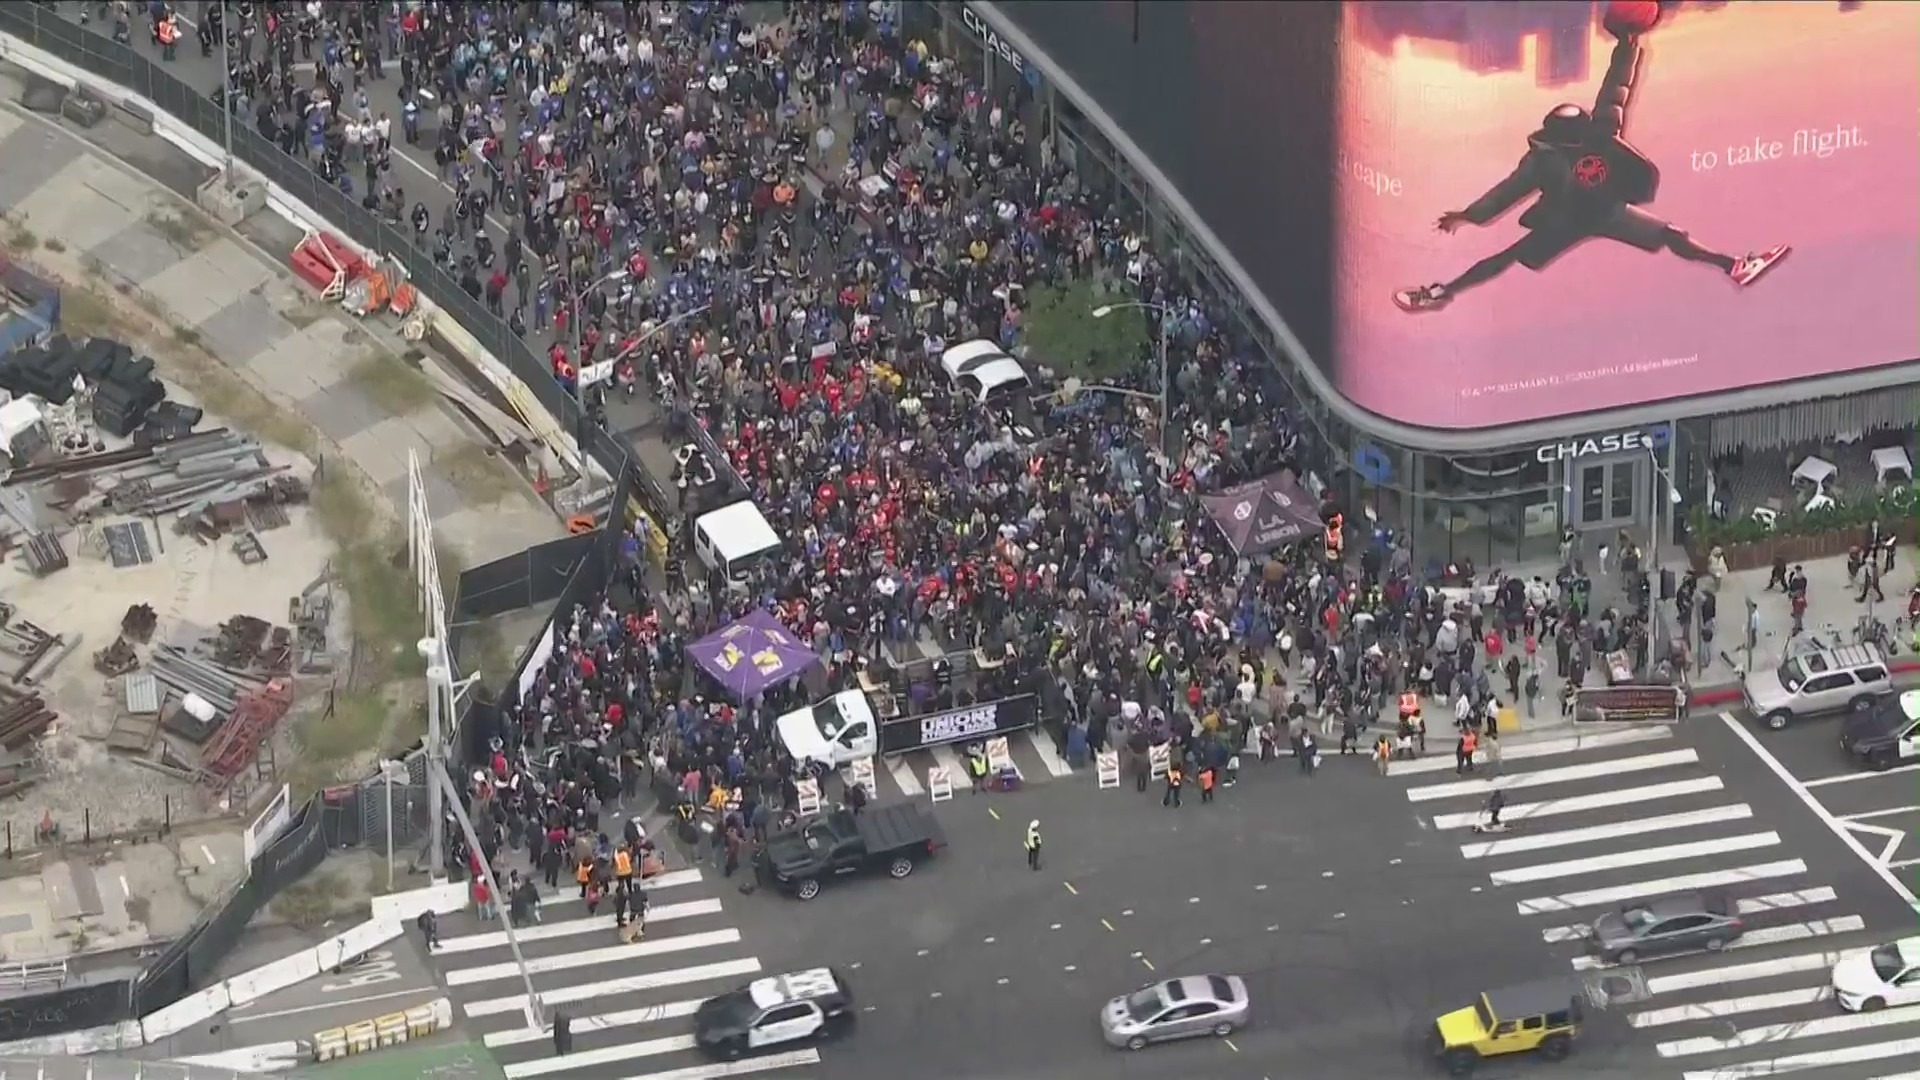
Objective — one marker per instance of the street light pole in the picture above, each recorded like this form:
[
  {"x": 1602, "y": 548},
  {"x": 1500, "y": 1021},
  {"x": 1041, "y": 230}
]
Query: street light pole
[
  {"x": 386, "y": 773},
  {"x": 226, "y": 75},
  {"x": 430, "y": 649},
  {"x": 1163, "y": 397}
]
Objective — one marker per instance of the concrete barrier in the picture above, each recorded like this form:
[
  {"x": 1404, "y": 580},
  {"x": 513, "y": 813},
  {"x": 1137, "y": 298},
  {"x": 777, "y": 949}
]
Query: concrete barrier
[
  {"x": 267, "y": 979},
  {"x": 444, "y": 898}
]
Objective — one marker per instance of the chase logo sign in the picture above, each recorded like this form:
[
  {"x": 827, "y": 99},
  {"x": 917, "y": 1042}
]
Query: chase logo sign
[{"x": 1614, "y": 442}]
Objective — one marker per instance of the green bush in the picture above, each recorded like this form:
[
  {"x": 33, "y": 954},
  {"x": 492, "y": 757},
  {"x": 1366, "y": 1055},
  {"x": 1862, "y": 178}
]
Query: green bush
[
  {"x": 1060, "y": 332},
  {"x": 1845, "y": 515}
]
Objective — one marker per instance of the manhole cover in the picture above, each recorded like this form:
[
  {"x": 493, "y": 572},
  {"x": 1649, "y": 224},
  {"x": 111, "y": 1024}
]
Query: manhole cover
[{"x": 1620, "y": 986}]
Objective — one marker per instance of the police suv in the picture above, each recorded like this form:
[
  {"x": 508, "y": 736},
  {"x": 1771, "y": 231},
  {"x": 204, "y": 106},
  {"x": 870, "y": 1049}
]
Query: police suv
[{"x": 799, "y": 1007}]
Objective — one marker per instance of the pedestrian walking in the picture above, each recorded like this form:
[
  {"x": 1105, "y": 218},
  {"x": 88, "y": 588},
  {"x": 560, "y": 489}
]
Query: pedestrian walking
[
  {"x": 1309, "y": 753},
  {"x": 1463, "y": 751},
  {"x": 1174, "y": 780},
  {"x": 1207, "y": 779},
  {"x": 1493, "y": 749},
  {"x": 1382, "y": 754},
  {"x": 429, "y": 925},
  {"x": 1032, "y": 844},
  {"x": 1349, "y": 736}
]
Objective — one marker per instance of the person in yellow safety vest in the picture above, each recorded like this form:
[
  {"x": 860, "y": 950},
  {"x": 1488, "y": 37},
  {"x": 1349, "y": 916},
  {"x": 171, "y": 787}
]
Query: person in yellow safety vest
[
  {"x": 1409, "y": 705},
  {"x": 623, "y": 868},
  {"x": 1032, "y": 844},
  {"x": 976, "y": 767}
]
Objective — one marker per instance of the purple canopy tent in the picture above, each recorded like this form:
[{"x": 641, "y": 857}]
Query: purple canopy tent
[
  {"x": 752, "y": 653},
  {"x": 1268, "y": 513}
]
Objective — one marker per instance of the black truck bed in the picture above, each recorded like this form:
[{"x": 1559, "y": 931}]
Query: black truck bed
[{"x": 900, "y": 825}]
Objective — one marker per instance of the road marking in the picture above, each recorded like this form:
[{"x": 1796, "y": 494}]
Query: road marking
[
  {"x": 1610, "y": 831},
  {"x": 1563, "y": 775},
  {"x": 1848, "y": 778},
  {"x": 652, "y": 980},
  {"x": 1752, "y": 905},
  {"x": 670, "y": 880},
  {"x": 1543, "y": 748},
  {"x": 1149, "y": 964},
  {"x": 1049, "y": 757},
  {"x": 1804, "y": 1029},
  {"x": 278, "y": 1013},
  {"x": 1718, "y": 1010},
  {"x": 208, "y": 852},
  {"x": 1834, "y": 826},
  {"x": 1622, "y": 860},
  {"x": 1891, "y": 836},
  {"x": 903, "y": 778},
  {"x": 646, "y": 1014},
  {"x": 1761, "y": 969},
  {"x": 1108, "y": 925},
  {"x": 1230, "y": 1045},
  {"x": 605, "y": 1055},
  {"x": 944, "y": 757},
  {"x": 124, "y": 890},
  {"x": 591, "y": 925},
  {"x": 1070, "y": 888},
  {"x": 995, "y": 813},
  {"x": 1581, "y": 803},
  {"x": 1871, "y": 814},
  {"x": 612, "y": 954},
  {"x": 1680, "y": 883},
  {"x": 724, "y": 1070},
  {"x": 1772, "y": 935},
  {"x": 1903, "y": 864}
]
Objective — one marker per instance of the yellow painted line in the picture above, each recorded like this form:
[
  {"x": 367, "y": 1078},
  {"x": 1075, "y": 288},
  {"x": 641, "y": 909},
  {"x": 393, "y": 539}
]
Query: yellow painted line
[
  {"x": 1149, "y": 964},
  {"x": 995, "y": 813},
  {"x": 1230, "y": 1045},
  {"x": 1108, "y": 925},
  {"x": 1070, "y": 888}
]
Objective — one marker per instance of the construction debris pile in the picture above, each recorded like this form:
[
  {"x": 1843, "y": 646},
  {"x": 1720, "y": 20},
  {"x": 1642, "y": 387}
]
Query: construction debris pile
[
  {"x": 64, "y": 484},
  {"x": 28, "y": 654}
]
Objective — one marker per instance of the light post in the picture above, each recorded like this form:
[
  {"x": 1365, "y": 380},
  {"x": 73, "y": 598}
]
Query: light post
[
  {"x": 226, "y": 76},
  {"x": 579, "y": 371},
  {"x": 1666, "y": 494},
  {"x": 1164, "y": 394},
  {"x": 388, "y": 770},
  {"x": 604, "y": 369}
]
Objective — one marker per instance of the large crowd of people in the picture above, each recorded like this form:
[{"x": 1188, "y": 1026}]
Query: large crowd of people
[{"x": 662, "y": 201}]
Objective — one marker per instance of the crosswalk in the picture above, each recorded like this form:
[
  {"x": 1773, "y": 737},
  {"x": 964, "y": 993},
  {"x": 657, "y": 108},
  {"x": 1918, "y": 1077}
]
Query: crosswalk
[
  {"x": 1627, "y": 815},
  {"x": 631, "y": 1006},
  {"x": 906, "y": 775}
]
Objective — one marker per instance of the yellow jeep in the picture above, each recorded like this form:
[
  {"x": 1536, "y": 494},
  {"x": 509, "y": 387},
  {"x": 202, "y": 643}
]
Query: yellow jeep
[{"x": 1543, "y": 1016}]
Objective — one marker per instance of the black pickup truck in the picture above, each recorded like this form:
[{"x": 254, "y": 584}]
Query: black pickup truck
[{"x": 891, "y": 838}]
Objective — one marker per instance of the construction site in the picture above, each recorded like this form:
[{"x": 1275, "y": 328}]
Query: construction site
[{"x": 166, "y": 597}]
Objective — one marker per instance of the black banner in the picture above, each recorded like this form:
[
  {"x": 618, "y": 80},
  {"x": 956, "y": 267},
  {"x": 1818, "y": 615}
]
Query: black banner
[
  {"x": 1631, "y": 705},
  {"x": 166, "y": 980},
  {"x": 295, "y": 854},
  {"x": 57, "y": 1012},
  {"x": 220, "y": 931},
  {"x": 959, "y": 725}
]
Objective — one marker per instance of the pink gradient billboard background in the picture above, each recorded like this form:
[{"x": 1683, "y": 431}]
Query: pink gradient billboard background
[{"x": 1783, "y": 123}]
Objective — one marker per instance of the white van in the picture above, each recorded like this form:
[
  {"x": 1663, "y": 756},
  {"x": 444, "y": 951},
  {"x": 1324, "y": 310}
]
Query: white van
[
  {"x": 984, "y": 372},
  {"x": 734, "y": 539},
  {"x": 836, "y": 731}
]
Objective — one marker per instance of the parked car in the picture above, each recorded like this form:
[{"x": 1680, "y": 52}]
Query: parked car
[
  {"x": 1686, "y": 922},
  {"x": 891, "y": 838},
  {"x": 1872, "y": 979},
  {"x": 1176, "y": 1009},
  {"x": 1817, "y": 681}
]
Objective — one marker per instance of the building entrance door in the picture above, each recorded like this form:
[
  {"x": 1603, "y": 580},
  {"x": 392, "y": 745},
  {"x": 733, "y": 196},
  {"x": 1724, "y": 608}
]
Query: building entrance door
[{"x": 1607, "y": 494}]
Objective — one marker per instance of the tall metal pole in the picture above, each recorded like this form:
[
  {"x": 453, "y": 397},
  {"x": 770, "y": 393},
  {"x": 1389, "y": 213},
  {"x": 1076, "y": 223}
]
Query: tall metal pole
[
  {"x": 386, "y": 773},
  {"x": 226, "y": 73},
  {"x": 432, "y": 651},
  {"x": 437, "y": 781},
  {"x": 1159, "y": 315}
]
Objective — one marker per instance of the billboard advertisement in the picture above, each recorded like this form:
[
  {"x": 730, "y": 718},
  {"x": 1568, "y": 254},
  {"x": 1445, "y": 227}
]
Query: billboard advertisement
[{"x": 1539, "y": 208}]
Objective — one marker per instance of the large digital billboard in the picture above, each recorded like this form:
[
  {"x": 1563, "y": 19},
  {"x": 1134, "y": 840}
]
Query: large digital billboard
[{"x": 1535, "y": 208}]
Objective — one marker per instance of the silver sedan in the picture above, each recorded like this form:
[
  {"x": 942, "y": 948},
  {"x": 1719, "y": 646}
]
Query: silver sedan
[{"x": 1176, "y": 1009}]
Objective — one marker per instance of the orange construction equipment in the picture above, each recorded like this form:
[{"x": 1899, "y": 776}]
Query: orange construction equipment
[
  {"x": 326, "y": 263},
  {"x": 581, "y": 525}
]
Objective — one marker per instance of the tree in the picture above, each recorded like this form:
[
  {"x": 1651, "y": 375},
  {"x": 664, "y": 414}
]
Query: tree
[{"x": 1061, "y": 332}]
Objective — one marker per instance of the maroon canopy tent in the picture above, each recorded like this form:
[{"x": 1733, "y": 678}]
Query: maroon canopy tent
[{"x": 1266, "y": 514}]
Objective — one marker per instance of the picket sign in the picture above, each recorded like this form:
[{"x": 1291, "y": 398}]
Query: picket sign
[
  {"x": 1000, "y": 757},
  {"x": 1157, "y": 758},
  {"x": 1107, "y": 765},
  {"x": 939, "y": 784},
  {"x": 809, "y": 795},
  {"x": 860, "y": 773}
]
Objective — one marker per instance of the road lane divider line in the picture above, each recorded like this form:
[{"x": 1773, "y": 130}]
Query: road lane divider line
[
  {"x": 1544, "y": 748},
  {"x": 1613, "y": 830},
  {"x": 726, "y": 1070},
  {"x": 630, "y": 984},
  {"x": 1871, "y": 814},
  {"x": 1802, "y": 1029},
  {"x": 554, "y": 931},
  {"x": 1720, "y": 1010},
  {"x": 1772, "y": 935},
  {"x": 1623, "y": 860},
  {"x": 1577, "y": 804},
  {"x": 1591, "y": 770},
  {"x": 1852, "y": 777},
  {"x": 1760, "y": 969},
  {"x": 1752, "y": 905},
  {"x": 646, "y": 1014},
  {"x": 1711, "y": 879}
]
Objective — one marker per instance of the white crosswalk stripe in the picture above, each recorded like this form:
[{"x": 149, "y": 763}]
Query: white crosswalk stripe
[
  {"x": 904, "y": 776},
  {"x": 630, "y": 1006},
  {"x": 1605, "y": 813}
]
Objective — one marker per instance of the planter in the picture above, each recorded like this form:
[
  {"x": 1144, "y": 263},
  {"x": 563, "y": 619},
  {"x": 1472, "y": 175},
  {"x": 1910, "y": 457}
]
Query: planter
[{"x": 1792, "y": 548}]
